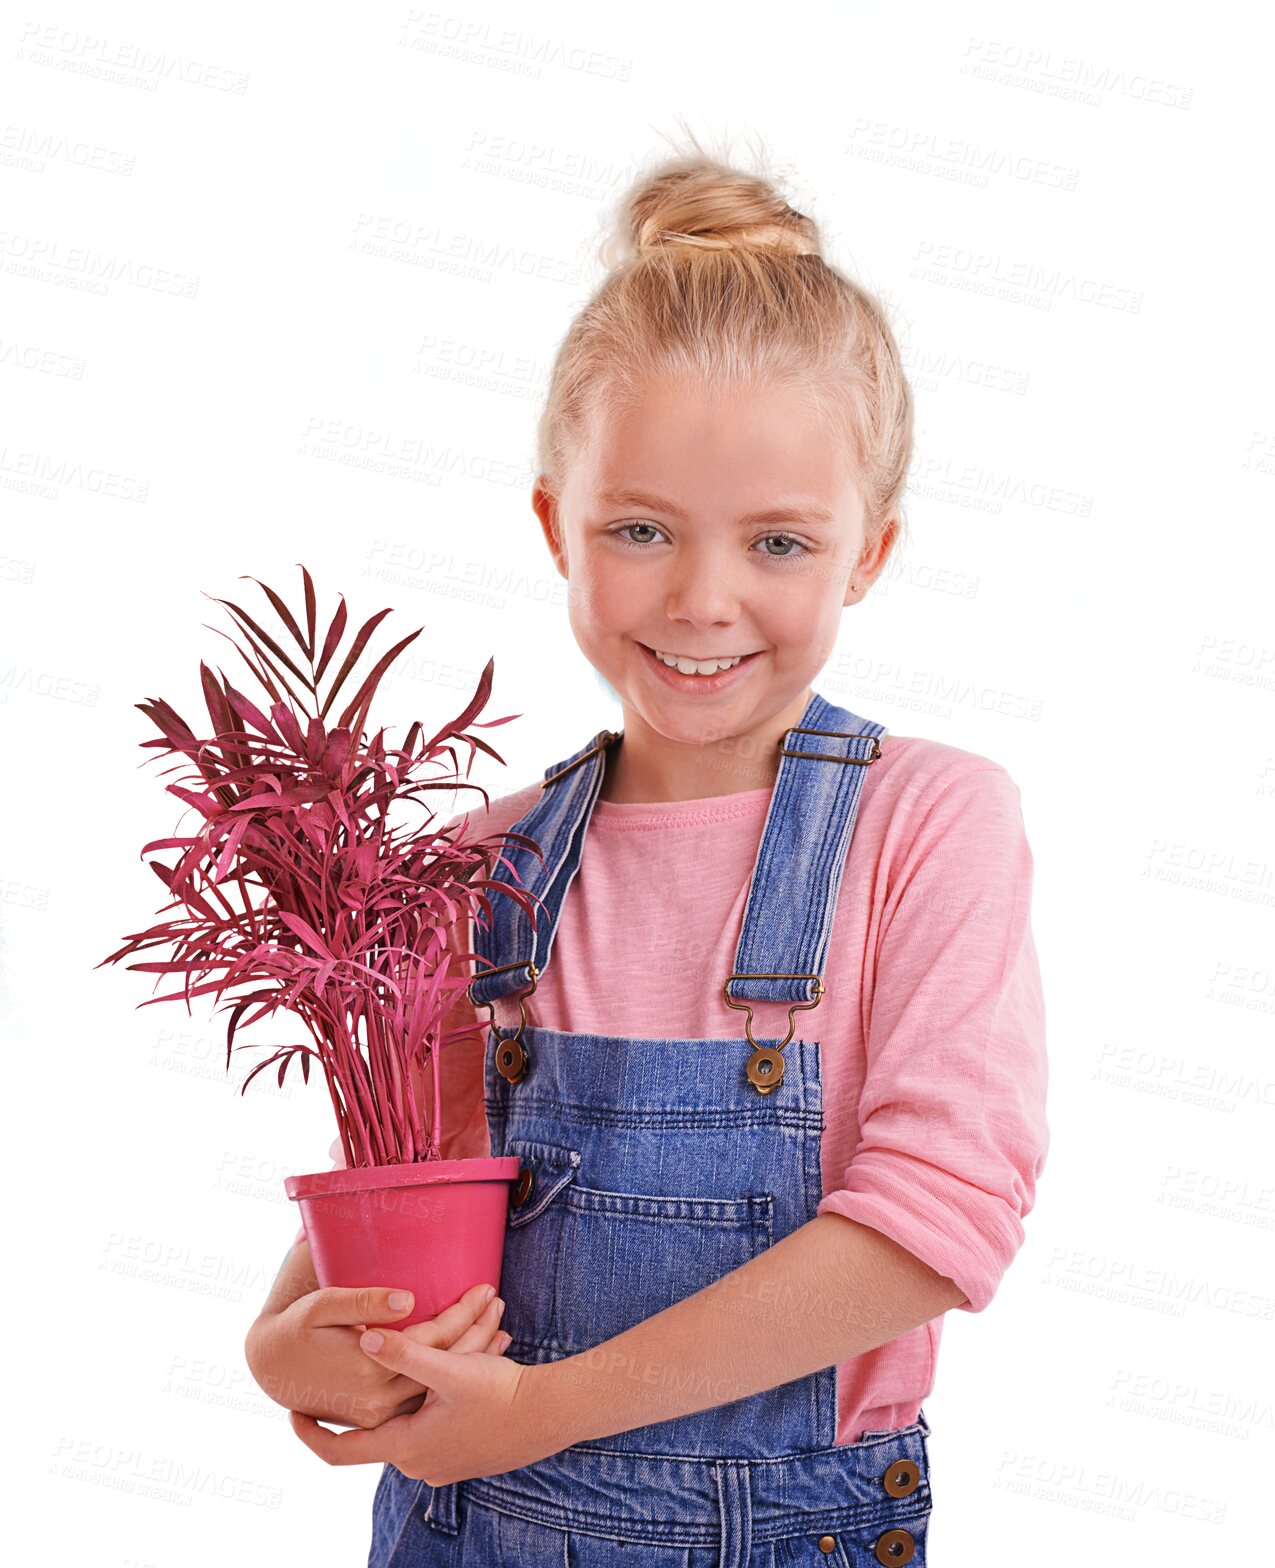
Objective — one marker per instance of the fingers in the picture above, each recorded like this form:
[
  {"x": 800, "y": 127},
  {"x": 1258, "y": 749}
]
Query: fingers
[
  {"x": 350, "y": 1448},
  {"x": 480, "y": 1334},
  {"x": 336, "y": 1304},
  {"x": 446, "y": 1375},
  {"x": 443, "y": 1331},
  {"x": 368, "y": 1304},
  {"x": 409, "y": 1407},
  {"x": 433, "y": 1367}
]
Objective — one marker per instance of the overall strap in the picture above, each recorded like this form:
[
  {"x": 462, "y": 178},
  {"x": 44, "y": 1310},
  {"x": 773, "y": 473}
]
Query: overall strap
[
  {"x": 796, "y": 879},
  {"x": 556, "y": 822},
  {"x": 792, "y": 897}
]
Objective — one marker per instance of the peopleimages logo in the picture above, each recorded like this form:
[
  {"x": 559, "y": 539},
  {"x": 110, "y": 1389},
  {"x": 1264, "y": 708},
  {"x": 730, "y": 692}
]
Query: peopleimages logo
[
  {"x": 93, "y": 54},
  {"x": 36, "y": 254}
]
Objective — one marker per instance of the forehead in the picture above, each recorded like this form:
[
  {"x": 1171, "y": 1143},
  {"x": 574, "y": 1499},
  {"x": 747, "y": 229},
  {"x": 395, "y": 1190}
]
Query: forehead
[{"x": 747, "y": 451}]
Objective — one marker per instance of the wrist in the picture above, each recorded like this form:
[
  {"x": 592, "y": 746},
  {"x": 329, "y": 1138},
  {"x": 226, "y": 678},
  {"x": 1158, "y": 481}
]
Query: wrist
[{"x": 553, "y": 1412}]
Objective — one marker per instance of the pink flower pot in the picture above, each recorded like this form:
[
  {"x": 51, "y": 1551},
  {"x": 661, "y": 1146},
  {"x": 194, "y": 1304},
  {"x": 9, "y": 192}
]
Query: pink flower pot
[{"x": 435, "y": 1227}]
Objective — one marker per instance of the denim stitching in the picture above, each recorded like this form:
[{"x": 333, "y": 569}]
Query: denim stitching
[{"x": 409, "y": 1513}]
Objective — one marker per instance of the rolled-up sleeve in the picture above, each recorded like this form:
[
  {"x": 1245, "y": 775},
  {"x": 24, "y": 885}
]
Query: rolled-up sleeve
[{"x": 952, "y": 1123}]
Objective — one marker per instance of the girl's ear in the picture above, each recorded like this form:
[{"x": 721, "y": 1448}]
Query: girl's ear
[
  {"x": 871, "y": 562},
  {"x": 545, "y": 506}
]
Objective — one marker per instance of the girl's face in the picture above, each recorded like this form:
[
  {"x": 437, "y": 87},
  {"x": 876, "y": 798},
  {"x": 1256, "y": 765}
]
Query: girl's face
[{"x": 709, "y": 525}]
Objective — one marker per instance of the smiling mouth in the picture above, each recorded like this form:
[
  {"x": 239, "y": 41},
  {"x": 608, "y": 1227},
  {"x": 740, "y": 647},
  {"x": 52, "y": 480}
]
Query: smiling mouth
[{"x": 700, "y": 668}]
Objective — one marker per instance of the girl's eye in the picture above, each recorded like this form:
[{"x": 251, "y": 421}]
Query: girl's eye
[
  {"x": 788, "y": 555},
  {"x": 795, "y": 551},
  {"x": 619, "y": 533}
]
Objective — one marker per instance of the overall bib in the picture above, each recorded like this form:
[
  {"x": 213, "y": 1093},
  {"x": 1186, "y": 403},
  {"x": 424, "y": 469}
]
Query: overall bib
[{"x": 650, "y": 1169}]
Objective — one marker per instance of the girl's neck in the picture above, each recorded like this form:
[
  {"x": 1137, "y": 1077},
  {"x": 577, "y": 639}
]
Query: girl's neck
[
  {"x": 642, "y": 768},
  {"x": 705, "y": 783}
]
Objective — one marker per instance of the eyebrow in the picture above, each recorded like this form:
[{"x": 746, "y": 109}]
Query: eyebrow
[{"x": 801, "y": 511}]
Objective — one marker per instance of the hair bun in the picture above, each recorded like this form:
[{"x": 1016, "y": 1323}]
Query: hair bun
[{"x": 698, "y": 201}]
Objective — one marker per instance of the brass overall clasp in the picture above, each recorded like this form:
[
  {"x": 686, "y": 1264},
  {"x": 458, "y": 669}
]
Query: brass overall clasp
[
  {"x": 766, "y": 1065},
  {"x": 512, "y": 1060}
]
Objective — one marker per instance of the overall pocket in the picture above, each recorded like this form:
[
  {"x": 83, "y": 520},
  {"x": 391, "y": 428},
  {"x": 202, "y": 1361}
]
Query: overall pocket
[
  {"x": 533, "y": 1241},
  {"x": 585, "y": 1263}
]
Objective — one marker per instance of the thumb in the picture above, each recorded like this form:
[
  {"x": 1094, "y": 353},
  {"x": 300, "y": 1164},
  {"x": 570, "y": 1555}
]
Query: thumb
[
  {"x": 427, "y": 1365},
  {"x": 367, "y": 1304}
]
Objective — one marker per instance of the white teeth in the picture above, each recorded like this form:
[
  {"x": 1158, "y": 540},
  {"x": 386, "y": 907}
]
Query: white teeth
[{"x": 696, "y": 666}]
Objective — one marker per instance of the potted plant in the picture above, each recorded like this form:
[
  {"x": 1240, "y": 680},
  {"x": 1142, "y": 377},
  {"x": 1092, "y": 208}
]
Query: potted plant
[{"x": 306, "y": 889}]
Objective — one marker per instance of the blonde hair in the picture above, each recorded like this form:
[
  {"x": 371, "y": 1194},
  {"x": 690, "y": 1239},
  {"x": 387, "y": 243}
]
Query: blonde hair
[{"x": 715, "y": 277}]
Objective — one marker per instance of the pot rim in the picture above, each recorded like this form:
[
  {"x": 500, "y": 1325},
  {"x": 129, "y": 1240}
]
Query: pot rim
[{"x": 417, "y": 1173}]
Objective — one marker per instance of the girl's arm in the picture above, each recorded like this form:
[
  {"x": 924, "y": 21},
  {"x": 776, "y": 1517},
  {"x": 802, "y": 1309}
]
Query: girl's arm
[
  {"x": 296, "y": 1278},
  {"x": 827, "y": 1291},
  {"x": 951, "y": 1138}
]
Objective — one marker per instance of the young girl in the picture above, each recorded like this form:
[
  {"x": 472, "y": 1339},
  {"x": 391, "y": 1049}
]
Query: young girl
[{"x": 773, "y": 1059}]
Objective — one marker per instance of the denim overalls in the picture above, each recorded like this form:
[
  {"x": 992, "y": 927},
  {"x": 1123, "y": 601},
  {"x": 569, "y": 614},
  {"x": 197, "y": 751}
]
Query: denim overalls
[{"x": 650, "y": 1169}]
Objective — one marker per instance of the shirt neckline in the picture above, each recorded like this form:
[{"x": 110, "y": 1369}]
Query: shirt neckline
[{"x": 673, "y": 813}]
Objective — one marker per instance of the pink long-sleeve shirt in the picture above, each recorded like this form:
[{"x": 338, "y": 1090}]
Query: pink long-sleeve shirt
[{"x": 931, "y": 1026}]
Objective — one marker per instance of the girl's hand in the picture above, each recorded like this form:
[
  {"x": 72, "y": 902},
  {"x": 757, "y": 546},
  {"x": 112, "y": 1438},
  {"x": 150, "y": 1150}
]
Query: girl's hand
[
  {"x": 307, "y": 1357},
  {"x": 475, "y": 1420}
]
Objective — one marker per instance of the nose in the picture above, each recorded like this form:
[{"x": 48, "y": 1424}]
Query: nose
[{"x": 704, "y": 592}]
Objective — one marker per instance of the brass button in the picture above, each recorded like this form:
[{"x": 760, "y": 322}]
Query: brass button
[
  {"x": 511, "y": 1060},
  {"x": 902, "y": 1478},
  {"x": 766, "y": 1070},
  {"x": 894, "y": 1546},
  {"x": 521, "y": 1188},
  {"x": 827, "y": 1543}
]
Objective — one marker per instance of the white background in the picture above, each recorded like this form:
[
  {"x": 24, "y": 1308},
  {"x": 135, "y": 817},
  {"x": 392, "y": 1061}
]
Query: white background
[{"x": 204, "y": 356}]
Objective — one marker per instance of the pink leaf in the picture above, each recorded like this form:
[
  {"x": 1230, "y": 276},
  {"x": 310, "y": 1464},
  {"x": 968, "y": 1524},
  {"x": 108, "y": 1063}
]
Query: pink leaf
[{"x": 306, "y": 932}]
